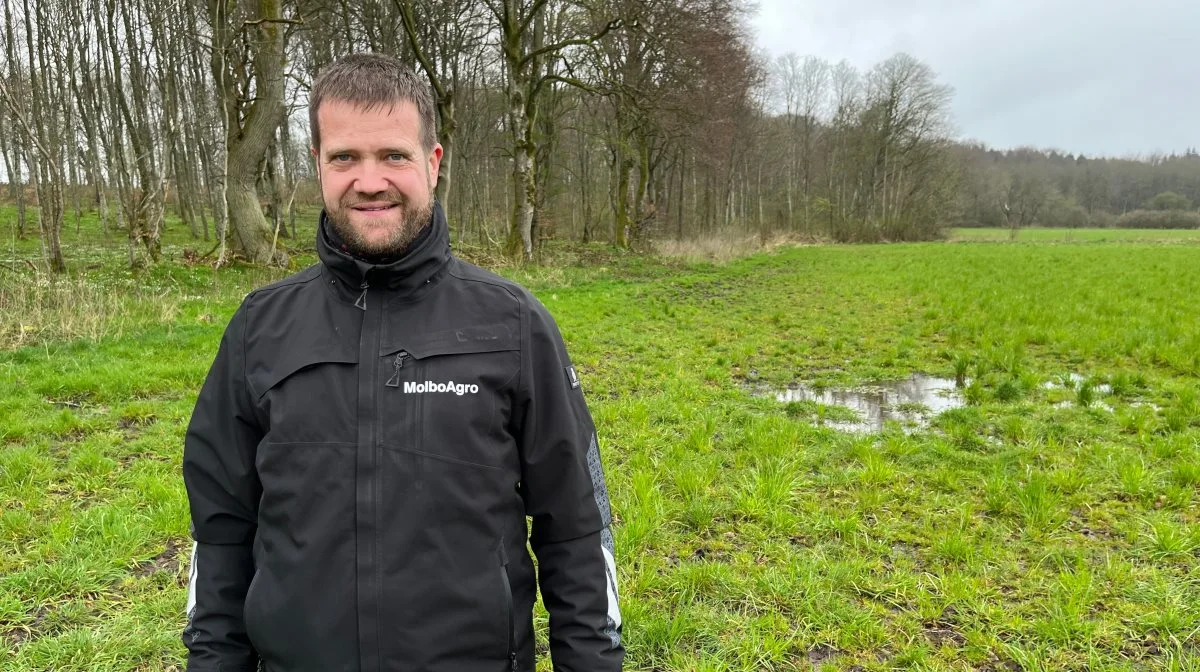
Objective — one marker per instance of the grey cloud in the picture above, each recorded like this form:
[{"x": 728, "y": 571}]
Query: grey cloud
[{"x": 1115, "y": 77}]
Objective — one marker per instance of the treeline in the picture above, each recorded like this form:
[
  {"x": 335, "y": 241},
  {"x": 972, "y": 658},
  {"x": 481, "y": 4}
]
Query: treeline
[
  {"x": 618, "y": 120},
  {"x": 1029, "y": 187}
]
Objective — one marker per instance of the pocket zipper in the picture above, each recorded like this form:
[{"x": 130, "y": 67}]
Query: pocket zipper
[
  {"x": 397, "y": 364},
  {"x": 508, "y": 601}
]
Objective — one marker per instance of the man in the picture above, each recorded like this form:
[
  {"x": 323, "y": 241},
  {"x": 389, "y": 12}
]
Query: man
[{"x": 375, "y": 429}]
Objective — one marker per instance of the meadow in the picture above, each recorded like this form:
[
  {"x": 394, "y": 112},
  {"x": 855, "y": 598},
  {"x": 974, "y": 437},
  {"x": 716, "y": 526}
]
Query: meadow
[
  {"x": 1049, "y": 523},
  {"x": 1050, "y": 235}
]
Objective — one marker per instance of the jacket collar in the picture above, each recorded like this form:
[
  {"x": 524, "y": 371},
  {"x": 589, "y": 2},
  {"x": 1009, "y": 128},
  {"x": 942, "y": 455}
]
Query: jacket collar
[{"x": 418, "y": 266}]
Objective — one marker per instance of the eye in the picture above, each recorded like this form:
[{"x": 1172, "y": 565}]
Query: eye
[
  {"x": 341, "y": 158},
  {"x": 396, "y": 156}
]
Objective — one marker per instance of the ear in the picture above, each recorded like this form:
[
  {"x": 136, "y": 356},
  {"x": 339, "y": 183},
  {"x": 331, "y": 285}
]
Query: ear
[
  {"x": 316, "y": 161},
  {"x": 435, "y": 162}
]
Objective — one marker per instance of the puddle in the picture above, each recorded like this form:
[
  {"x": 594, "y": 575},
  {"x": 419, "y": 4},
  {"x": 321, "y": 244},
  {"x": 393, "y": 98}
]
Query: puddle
[
  {"x": 1109, "y": 407},
  {"x": 1071, "y": 382},
  {"x": 1095, "y": 404},
  {"x": 911, "y": 402}
]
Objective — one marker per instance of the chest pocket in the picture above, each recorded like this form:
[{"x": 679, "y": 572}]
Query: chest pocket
[
  {"x": 309, "y": 395},
  {"x": 448, "y": 394}
]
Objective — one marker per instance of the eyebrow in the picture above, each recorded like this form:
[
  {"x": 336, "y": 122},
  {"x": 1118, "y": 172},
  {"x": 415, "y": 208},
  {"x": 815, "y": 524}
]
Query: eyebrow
[{"x": 334, "y": 151}]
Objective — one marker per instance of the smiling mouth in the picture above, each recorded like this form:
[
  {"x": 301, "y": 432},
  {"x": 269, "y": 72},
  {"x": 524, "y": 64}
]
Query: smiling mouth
[{"x": 374, "y": 208}]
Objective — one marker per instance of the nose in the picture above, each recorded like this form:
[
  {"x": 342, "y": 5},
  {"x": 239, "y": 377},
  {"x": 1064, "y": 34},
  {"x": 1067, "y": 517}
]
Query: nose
[{"x": 370, "y": 178}]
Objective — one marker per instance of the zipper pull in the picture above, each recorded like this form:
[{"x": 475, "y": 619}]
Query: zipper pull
[
  {"x": 398, "y": 364},
  {"x": 513, "y": 657},
  {"x": 361, "y": 303}
]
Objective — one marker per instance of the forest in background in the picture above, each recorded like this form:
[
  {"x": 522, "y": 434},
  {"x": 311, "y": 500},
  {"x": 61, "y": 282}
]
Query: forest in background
[{"x": 625, "y": 121}]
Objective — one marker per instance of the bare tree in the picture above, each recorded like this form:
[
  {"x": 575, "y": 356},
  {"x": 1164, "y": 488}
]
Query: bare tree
[
  {"x": 11, "y": 140},
  {"x": 521, "y": 26},
  {"x": 247, "y": 66},
  {"x": 1022, "y": 201},
  {"x": 813, "y": 80},
  {"x": 559, "y": 118},
  {"x": 442, "y": 37},
  {"x": 143, "y": 204},
  {"x": 41, "y": 125},
  {"x": 789, "y": 85}
]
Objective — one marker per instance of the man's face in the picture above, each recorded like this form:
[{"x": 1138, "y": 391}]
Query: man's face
[{"x": 376, "y": 179}]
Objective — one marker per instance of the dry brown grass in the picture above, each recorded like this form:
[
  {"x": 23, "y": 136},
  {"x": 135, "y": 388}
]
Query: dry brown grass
[
  {"x": 40, "y": 307},
  {"x": 571, "y": 254},
  {"x": 722, "y": 249}
]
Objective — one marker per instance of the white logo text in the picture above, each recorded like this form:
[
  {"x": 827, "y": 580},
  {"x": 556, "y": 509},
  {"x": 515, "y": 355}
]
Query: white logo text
[{"x": 449, "y": 386}]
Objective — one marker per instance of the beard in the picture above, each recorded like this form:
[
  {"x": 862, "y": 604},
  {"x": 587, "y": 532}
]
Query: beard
[{"x": 404, "y": 226}]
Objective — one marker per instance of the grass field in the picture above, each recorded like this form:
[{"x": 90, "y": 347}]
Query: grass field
[
  {"x": 1042, "y": 526},
  {"x": 1041, "y": 235}
]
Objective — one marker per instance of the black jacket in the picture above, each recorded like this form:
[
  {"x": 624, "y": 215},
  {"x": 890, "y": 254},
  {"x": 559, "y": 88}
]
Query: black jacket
[{"x": 360, "y": 464}]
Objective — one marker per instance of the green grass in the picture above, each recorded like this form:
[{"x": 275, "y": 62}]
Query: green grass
[{"x": 1027, "y": 530}]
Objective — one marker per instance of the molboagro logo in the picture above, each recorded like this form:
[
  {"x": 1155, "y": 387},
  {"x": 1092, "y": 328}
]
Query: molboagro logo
[{"x": 449, "y": 386}]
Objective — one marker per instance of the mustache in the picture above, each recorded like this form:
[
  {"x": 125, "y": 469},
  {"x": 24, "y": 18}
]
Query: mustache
[{"x": 391, "y": 196}]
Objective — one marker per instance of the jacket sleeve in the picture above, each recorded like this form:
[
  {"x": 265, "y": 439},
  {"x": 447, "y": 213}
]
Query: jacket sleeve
[
  {"x": 565, "y": 494},
  {"x": 223, "y": 490}
]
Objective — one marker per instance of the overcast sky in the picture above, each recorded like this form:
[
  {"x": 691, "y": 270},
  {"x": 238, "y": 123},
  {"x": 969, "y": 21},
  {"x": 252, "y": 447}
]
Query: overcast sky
[{"x": 1114, "y": 77}]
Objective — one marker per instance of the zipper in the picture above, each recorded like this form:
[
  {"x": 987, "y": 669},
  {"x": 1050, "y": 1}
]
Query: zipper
[
  {"x": 361, "y": 303},
  {"x": 368, "y": 514},
  {"x": 378, "y": 486},
  {"x": 397, "y": 364},
  {"x": 508, "y": 601}
]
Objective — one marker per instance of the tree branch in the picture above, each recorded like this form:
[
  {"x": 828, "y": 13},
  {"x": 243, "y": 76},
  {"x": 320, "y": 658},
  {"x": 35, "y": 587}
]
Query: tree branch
[
  {"x": 46, "y": 156},
  {"x": 299, "y": 82},
  {"x": 538, "y": 5},
  {"x": 565, "y": 80},
  {"x": 259, "y": 22},
  {"x": 405, "y": 7},
  {"x": 575, "y": 41}
]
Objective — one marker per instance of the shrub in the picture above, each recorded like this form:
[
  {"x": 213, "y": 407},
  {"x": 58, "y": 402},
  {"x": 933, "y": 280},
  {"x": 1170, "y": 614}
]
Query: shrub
[
  {"x": 1159, "y": 219},
  {"x": 1169, "y": 200},
  {"x": 1062, "y": 212},
  {"x": 1102, "y": 219}
]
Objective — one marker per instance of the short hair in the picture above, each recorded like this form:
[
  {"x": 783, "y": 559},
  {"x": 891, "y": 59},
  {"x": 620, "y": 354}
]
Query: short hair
[{"x": 370, "y": 81}]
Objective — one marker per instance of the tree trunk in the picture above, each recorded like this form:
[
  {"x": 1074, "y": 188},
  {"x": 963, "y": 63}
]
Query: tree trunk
[
  {"x": 521, "y": 112},
  {"x": 585, "y": 178},
  {"x": 758, "y": 189},
  {"x": 74, "y": 183},
  {"x": 444, "y": 95},
  {"x": 248, "y": 142},
  {"x": 50, "y": 200},
  {"x": 646, "y": 205},
  {"x": 682, "y": 196},
  {"x": 46, "y": 139},
  {"x": 12, "y": 168},
  {"x": 624, "y": 171},
  {"x": 446, "y": 165},
  {"x": 16, "y": 186},
  {"x": 289, "y": 175},
  {"x": 87, "y": 104},
  {"x": 251, "y": 232},
  {"x": 520, "y": 237},
  {"x": 148, "y": 211},
  {"x": 788, "y": 188}
]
